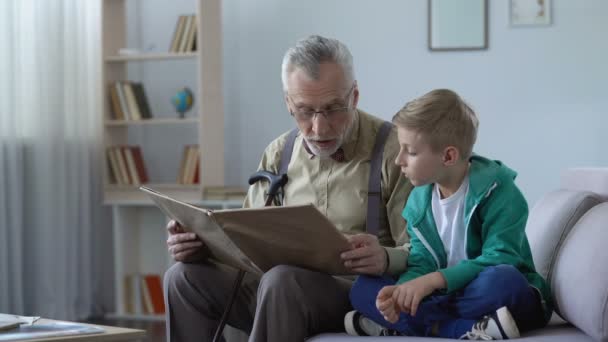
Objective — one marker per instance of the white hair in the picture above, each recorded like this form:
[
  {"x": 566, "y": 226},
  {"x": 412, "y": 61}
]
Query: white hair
[{"x": 314, "y": 50}]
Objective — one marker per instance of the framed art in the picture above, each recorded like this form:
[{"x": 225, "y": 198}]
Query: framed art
[
  {"x": 458, "y": 25},
  {"x": 530, "y": 12}
]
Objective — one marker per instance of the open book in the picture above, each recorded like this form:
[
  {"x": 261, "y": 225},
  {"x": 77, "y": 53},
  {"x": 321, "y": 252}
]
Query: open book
[{"x": 257, "y": 239}]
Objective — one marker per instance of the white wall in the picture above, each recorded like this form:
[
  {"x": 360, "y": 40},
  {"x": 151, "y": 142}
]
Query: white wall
[{"x": 539, "y": 91}]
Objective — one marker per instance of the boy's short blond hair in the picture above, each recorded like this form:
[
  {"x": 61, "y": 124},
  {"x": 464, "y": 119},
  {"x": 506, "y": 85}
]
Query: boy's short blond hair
[{"x": 443, "y": 119}]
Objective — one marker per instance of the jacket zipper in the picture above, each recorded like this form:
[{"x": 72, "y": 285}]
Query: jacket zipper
[
  {"x": 466, "y": 233},
  {"x": 427, "y": 245},
  {"x": 468, "y": 221}
]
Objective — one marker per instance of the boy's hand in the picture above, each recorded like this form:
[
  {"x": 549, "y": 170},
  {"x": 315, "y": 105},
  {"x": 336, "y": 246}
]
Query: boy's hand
[
  {"x": 408, "y": 296},
  {"x": 386, "y": 305}
]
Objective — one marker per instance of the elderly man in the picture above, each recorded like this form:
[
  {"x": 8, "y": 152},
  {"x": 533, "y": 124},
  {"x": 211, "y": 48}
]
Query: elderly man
[{"x": 341, "y": 159}]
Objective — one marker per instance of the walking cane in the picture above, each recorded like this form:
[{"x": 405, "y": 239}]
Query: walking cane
[{"x": 276, "y": 182}]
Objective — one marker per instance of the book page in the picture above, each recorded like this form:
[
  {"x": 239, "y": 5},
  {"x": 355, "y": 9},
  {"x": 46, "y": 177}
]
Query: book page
[
  {"x": 289, "y": 235},
  {"x": 200, "y": 221},
  {"x": 266, "y": 237}
]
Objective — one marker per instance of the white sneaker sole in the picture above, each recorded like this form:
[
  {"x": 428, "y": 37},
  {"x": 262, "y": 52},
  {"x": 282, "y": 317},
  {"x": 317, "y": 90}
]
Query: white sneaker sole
[
  {"x": 507, "y": 322},
  {"x": 349, "y": 318}
]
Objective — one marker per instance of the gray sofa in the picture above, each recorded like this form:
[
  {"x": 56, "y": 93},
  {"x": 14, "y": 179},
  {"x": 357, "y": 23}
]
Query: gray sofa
[{"x": 568, "y": 234}]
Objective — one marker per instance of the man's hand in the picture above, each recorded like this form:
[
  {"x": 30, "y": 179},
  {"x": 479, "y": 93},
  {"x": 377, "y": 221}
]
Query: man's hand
[
  {"x": 407, "y": 296},
  {"x": 366, "y": 255},
  {"x": 182, "y": 246}
]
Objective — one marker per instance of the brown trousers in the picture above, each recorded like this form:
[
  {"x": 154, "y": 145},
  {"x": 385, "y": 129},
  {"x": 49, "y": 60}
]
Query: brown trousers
[{"x": 287, "y": 304}]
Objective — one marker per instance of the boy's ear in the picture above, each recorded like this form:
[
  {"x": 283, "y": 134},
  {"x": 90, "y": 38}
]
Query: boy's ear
[{"x": 450, "y": 156}]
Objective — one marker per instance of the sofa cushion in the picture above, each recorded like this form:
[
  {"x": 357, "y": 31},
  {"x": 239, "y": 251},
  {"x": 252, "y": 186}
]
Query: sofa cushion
[
  {"x": 552, "y": 333},
  {"x": 593, "y": 179},
  {"x": 550, "y": 221},
  {"x": 580, "y": 274}
]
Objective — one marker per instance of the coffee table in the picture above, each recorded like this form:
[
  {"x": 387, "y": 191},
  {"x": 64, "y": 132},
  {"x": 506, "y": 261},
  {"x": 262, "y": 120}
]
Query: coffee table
[{"x": 109, "y": 333}]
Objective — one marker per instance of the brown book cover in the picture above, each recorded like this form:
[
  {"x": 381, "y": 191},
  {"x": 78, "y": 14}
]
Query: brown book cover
[
  {"x": 257, "y": 239},
  {"x": 190, "y": 164},
  {"x": 197, "y": 171},
  {"x": 122, "y": 163},
  {"x": 131, "y": 165},
  {"x": 192, "y": 34},
  {"x": 139, "y": 164},
  {"x": 192, "y": 179},
  {"x": 131, "y": 102},
  {"x": 114, "y": 170},
  {"x": 121, "y": 174},
  {"x": 182, "y": 166},
  {"x": 155, "y": 290},
  {"x": 117, "y": 113},
  {"x": 146, "y": 300}
]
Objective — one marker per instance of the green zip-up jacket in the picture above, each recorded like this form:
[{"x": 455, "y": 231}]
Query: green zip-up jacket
[{"x": 495, "y": 221}]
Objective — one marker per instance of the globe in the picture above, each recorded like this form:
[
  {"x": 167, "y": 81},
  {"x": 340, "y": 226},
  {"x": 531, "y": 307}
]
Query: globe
[{"x": 182, "y": 101}]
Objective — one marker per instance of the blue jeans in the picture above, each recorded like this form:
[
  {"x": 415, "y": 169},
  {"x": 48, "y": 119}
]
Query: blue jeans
[{"x": 455, "y": 313}]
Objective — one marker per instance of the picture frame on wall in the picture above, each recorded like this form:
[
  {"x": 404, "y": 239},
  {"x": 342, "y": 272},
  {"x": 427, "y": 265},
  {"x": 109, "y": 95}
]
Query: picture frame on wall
[
  {"x": 457, "y": 25},
  {"x": 530, "y": 12}
]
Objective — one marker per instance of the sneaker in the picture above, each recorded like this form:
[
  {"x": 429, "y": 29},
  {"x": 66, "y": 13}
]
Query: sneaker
[
  {"x": 358, "y": 325},
  {"x": 497, "y": 326}
]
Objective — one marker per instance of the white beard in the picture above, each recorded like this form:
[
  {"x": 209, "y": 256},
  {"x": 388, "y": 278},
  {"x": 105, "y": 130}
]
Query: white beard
[{"x": 326, "y": 153}]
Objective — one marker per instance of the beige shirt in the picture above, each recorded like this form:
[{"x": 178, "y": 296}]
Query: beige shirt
[{"x": 339, "y": 189}]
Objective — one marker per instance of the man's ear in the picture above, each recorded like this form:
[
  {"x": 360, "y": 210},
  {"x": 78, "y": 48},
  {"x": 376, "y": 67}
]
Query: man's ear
[
  {"x": 450, "y": 155},
  {"x": 287, "y": 104},
  {"x": 356, "y": 95}
]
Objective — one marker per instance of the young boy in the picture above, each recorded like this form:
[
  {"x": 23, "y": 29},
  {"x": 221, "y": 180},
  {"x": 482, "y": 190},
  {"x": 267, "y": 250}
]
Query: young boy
[{"x": 470, "y": 273}]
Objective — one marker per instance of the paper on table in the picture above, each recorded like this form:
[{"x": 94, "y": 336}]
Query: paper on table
[
  {"x": 48, "y": 329},
  {"x": 257, "y": 239},
  {"x": 8, "y": 321}
]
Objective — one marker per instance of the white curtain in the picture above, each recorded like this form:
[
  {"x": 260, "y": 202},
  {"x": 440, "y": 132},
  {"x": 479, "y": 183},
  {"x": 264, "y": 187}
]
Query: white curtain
[{"x": 54, "y": 233}]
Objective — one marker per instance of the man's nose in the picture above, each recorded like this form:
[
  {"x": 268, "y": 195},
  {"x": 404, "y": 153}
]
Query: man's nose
[{"x": 320, "y": 124}]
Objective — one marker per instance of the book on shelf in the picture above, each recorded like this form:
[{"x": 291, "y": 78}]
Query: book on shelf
[
  {"x": 116, "y": 113},
  {"x": 154, "y": 288},
  {"x": 126, "y": 165},
  {"x": 142, "y": 100},
  {"x": 143, "y": 294},
  {"x": 189, "y": 166},
  {"x": 131, "y": 101},
  {"x": 257, "y": 239},
  {"x": 146, "y": 298},
  {"x": 128, "y": 101},
  {"x": 184, "y": 35},
  {"x": 179, "y": 27}
]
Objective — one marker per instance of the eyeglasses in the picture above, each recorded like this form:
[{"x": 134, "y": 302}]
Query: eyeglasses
[{"x": 330, "y": 113}]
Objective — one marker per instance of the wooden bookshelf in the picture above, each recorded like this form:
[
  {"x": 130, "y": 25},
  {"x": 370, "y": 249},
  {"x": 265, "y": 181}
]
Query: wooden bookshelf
[
  {"x": 154, "y": 121},
  {"x": 150, "y": 57},
  {"x": 138, "y": 226},
  {"x": 208, "y": 120}
]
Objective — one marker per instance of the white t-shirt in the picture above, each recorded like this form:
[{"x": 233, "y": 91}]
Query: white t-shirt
[{"x": 450, "y": 221}]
